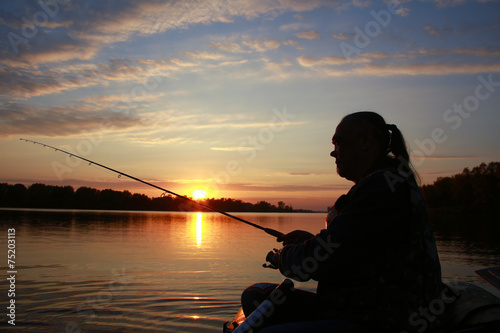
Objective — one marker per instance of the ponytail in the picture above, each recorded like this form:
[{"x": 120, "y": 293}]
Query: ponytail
[{"x": 397, "y": 146}]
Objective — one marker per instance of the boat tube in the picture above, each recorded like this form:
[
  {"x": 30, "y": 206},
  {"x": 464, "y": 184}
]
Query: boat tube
[{"x": 464, "y": 308}]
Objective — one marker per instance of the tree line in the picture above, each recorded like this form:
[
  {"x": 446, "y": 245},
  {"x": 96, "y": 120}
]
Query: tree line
[
  {"x": 65, "y": 197},
  {"x": 472, "y": 190}
]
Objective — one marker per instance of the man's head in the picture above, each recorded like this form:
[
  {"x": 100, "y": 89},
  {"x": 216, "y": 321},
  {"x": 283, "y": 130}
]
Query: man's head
[{"x": 361, "y": 141}]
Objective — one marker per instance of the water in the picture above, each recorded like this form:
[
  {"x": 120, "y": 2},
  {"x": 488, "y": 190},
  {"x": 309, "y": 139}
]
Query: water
[{"x": 84, "y": 271}]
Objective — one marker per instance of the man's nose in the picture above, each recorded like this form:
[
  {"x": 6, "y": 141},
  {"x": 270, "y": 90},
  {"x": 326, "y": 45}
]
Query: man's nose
[{"x": 333, "y": 154}]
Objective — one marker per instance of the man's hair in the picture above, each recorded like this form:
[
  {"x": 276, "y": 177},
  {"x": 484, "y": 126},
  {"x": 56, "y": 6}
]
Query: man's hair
[{"x": 389, "y": 137}]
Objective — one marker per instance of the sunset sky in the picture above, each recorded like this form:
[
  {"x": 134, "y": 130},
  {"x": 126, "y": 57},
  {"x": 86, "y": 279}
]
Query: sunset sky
[{"x": 241, "y": 98}]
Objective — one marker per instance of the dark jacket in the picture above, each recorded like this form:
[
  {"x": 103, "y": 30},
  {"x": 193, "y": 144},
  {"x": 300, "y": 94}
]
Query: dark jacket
[{"x": 376, "y": 262}]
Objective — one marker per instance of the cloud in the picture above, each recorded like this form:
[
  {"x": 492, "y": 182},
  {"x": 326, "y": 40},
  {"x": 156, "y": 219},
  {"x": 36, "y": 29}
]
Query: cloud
[
  {"x": 482, "y": 52},
  {"x": 234, "y": 125},
  {"x": 290, "y": 42},
  {"x": 427, "y": 69},
  {"x": 17, "y": 119},
  {"x": 65, "y": 37},
  {"x": 246, "y": 45},
  {"x": 204, "y": 55},
  {"x": 232, "y": 148},
  {"x": 447, "y": 3},
  {"x": 434, "y": 157},
  {"x": 151, "y": 139},
  {"x": 368, "y": 56},
  {"x": 308, "y": 61},
  {"x": 479, "y": 30},
  {"x": 438, "y": 32},
  {"x": 311, "y": 34},
  {"x": 228, "y": 47},
  {"x": 306, "y": 174},
  {"x": 295, "y": 26},
  {"x": 128, "y": 19},
  {"x": 43, "y": 65},
  {"x": 254, "y": 8},
  {"x": 404, "y": 11},
  {"x": 283, "y": 188},
  {"x": 232, "y": 63},
  {"x": 342, "y": 36},
  {"x": 47, "y": 50},
  {"x": 278, "y": 70},
  {"x": 361, "y": 3},
  {"x": 24, "y": 83},
  {"x": 262, "y": 46},
  {"x": 190, "y": 129},
  {"x": 418, "y": 62},
  {"x": 66, "y": 34},
  {"x": 123, "y": 101}
]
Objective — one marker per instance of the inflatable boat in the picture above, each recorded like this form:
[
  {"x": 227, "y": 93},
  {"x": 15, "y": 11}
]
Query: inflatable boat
[{"x": 468, "y": 308}]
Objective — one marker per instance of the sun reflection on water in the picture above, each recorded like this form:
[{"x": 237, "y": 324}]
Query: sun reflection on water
[{"x": 199, "y": 229}]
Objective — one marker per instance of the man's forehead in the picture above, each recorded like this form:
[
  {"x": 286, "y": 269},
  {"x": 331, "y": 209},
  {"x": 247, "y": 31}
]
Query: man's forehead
[{"x": 343, "y": 129}]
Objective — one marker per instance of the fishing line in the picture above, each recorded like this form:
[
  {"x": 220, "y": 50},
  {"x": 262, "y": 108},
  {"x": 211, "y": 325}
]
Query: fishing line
[{"x": 270, "y": 231}]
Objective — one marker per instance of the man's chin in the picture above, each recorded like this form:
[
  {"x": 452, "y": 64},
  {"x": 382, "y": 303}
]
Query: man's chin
[{"x": 342, "y": 173}]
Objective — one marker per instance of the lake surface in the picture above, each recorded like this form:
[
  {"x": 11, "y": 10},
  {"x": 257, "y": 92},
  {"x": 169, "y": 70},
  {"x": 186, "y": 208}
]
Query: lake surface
[{"x": 87, "y": 271}]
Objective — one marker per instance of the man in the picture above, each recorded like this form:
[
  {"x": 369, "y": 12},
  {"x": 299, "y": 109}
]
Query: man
[{"x": 376, "y": 263}]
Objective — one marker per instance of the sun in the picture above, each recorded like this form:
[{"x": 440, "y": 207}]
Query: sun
[{"x": 199, "y": 194}]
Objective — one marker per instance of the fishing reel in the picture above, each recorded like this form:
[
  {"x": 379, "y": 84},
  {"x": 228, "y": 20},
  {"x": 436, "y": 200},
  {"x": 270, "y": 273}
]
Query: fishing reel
[{"x": 272, "y": 257}]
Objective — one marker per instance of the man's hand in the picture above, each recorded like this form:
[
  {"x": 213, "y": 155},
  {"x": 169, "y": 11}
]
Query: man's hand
[{"x": 295, "y": 237}]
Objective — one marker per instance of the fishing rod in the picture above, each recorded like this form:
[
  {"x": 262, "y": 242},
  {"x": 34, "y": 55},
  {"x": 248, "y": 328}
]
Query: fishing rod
[{"x": 270, "y": 231}]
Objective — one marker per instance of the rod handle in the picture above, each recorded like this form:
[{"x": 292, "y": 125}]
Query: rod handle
[{"x": 273, "y": 232}]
